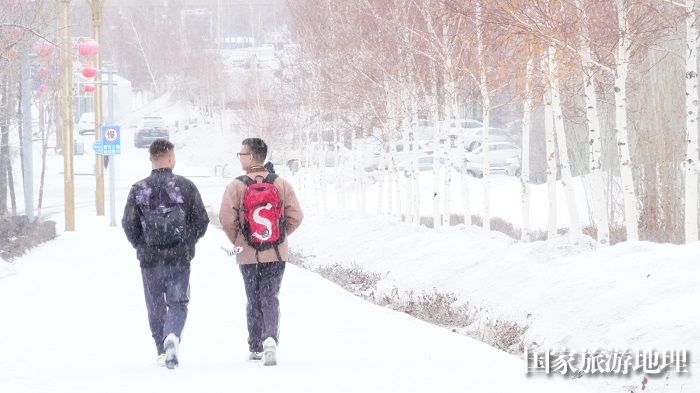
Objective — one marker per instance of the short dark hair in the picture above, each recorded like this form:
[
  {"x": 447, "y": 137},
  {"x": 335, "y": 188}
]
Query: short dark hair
[
  {"x": 159, "y": 147},
  {"x": 258, "y": 147}
]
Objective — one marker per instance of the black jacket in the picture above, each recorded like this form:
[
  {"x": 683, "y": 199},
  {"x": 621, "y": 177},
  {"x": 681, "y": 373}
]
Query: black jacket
[{"x": 197, "y": 220}]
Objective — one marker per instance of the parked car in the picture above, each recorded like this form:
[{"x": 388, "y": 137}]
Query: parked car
[
  {"x": 469, "y": 124},
  {"x": 295, "y": 158},
  {"x": 504, "y": 157},
  {"x": 425, "y": 163},
  {"x": 473, "y": 138},
  {"x": 402, "y": 154},
  {"x": 86, "y": 124},
  {"x": 144, "y": 136},
  {"x": 153, "y": 121}
]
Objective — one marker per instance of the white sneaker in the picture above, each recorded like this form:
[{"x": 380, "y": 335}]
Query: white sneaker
[
  {"x": 255, "y": 356},
  {"x": 171, "y": 343},
  {"x": 270, "y": 352},
  {"x": 161, "y": 360}
]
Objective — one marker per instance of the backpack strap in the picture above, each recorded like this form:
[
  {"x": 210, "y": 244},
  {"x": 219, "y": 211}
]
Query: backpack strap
[
  {"x": 246, "y": 180},
  {"x": 277, "y": 251},
  {"x": 271, "y": 177}
]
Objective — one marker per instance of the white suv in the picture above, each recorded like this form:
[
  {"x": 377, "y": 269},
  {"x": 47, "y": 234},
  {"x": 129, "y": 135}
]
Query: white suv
[
  {"x": 504, "y": 157},
  {"x": 86, "y": 124}
]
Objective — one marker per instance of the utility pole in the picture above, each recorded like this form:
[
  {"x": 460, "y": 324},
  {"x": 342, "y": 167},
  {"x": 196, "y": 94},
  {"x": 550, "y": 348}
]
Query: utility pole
[
  {"x": 96, "y": 6},
  {"x": 67, "y": 112},
  {"x": 110, "y": 120}
]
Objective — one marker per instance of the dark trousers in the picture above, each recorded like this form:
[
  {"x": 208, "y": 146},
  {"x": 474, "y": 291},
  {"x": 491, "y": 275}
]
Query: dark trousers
[
  {"x": 262, "y": 286},
  {"x": 167, "y": 291}
]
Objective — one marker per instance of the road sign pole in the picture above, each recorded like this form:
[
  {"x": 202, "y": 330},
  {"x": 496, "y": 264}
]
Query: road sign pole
[{"x": 110, "y": 118}]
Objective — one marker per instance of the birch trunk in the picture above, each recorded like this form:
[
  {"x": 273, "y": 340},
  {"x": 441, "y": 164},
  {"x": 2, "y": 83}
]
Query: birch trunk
[
  {"x": 551, "y": 161},
  {"x": 415, "y": 175},
  {"x": 623, "y": 151},
  {"x": 437, "y": 221},
  {"x": 594, "y": 134},
  {"x": 567, "y": 183},
  {"x": 391, "y": 175},
  {"x": 339, "y": 170},
  {"x": 380, "y": 178},
  {"x": 447, "y": 152},
  {"x": 321, "y": 173},
  {"x": 525, "y": 156},
  {"x": 691, "y": 105},
  {"x": 486, "y": 109}
]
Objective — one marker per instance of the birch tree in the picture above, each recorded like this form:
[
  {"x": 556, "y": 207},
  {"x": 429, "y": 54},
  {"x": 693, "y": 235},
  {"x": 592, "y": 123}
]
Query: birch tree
[
  {"x": 525, "y": 159},
  {"x": 690, "y": 163},
  {"x": 622, "y": 63},
  {"x": 565, "y": 166},
  {"x": 486, "y": 114},
  {"x": 594, "y": 128}
]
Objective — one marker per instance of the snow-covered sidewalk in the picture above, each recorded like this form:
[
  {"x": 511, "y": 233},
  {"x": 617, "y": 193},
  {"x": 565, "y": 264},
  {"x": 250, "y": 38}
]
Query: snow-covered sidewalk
[{"x": 74, "y": 320}]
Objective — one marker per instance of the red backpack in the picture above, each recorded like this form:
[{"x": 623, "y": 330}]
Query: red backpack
[{"x": 263, "y": 220}]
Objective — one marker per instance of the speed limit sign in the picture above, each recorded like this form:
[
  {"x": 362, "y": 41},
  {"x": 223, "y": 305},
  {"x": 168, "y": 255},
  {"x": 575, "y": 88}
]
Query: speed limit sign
[
  {"x": 111, "y": 139},
  {"x": 111, "y": 135}
]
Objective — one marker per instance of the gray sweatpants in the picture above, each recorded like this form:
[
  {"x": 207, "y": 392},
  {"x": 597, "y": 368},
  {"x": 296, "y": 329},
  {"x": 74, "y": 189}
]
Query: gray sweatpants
[
  {"x": 262, "y": 286},
  {"x": 167, "y": 292}
]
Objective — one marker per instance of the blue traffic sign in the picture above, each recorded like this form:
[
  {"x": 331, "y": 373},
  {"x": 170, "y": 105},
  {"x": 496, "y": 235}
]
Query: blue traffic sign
[{"x": 110, "y": 141}]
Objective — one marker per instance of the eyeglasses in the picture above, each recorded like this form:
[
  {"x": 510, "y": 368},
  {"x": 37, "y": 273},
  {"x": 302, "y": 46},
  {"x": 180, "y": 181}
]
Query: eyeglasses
[{"x": 242, "y": 154}]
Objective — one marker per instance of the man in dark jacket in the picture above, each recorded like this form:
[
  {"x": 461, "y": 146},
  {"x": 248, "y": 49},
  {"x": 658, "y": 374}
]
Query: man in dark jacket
[{"x": 163, "y": 219}]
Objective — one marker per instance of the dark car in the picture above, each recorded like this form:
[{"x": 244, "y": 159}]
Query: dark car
[{"x": 145, "y": 136}]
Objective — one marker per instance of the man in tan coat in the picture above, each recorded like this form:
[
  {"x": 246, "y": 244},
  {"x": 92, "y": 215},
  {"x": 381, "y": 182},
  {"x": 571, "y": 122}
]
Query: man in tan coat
[{"x": 262, "y": 270}]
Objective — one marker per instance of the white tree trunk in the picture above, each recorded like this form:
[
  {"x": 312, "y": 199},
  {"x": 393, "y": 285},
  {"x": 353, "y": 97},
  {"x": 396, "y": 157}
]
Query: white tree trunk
[
  {"x": 525, "y": 152},
  {"x": 408, "y": 190},
  {"x": 437, "y": 221},
  {"x": 415, "y": 176},
  {"x": 466, "y": 199},
  {"x": 362, "y": 199},
  {"x": 574, "y": 221},
  {"x": 381, "y": 174},
  {"x": 339, "y": 170},
  {"x": 322, "y": 174},
  {"x": 450, "y": 116},
  {"x": 391, "y": 172},
  {"x": 486, "y": 109},
  {"x": 357, "y": 172},
  {"x": 691, "y": 105},
  {"x": 551, "y": 160},
  {"x": 621, "y": 70},
  {"x": 594, "y": 133}
]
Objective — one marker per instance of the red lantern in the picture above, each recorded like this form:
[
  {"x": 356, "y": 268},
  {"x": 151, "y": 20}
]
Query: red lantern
[
  {"x": 43, "y": 49},
  {"x": 12, "y": 5},
  {"x": 89, "y": 72},
  {"x": 88, "y": 48},
  {"x": 12, "y": 53},
  {"x": 16, "y": 33},
  {"x": 89, "y": 88}
]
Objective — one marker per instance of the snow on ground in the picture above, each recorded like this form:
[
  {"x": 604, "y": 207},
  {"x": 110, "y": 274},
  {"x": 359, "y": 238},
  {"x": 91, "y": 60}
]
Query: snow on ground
[
  {"x": 505, "y": 197},
  {"x": 637, "y": 296},
  {"x": 74, "y": 320},
  {"x": 6, "y": 269},
  {"x": 629, "y": 296}
]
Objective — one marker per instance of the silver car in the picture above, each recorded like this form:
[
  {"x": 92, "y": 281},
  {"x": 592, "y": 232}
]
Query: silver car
[{"x": 504, "y": 157}]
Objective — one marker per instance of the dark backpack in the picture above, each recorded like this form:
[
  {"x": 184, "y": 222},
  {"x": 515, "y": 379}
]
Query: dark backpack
[
  {"x": 163, "y": 215},
  {"x": 262, "y": 221}
]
